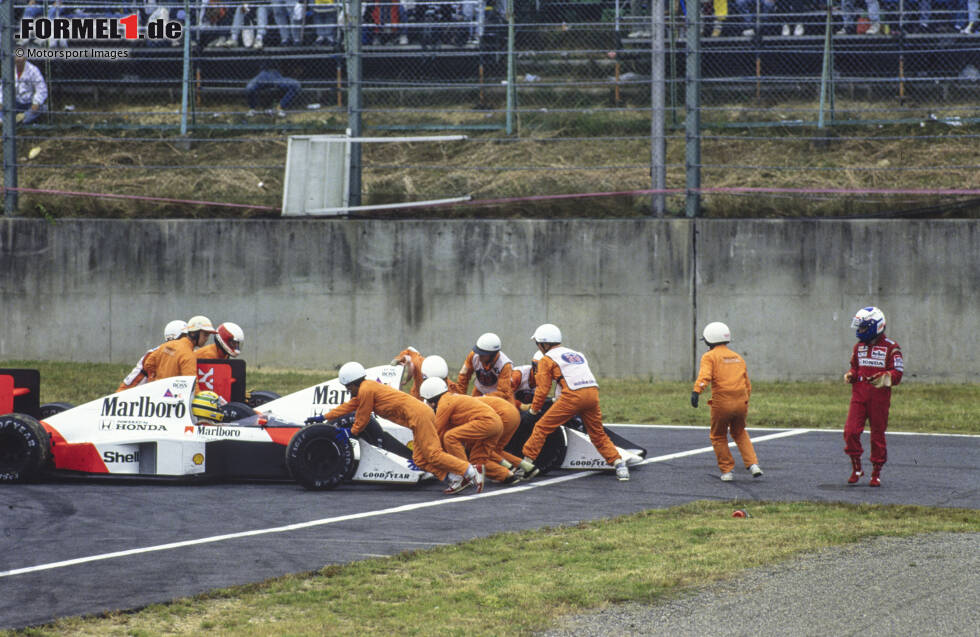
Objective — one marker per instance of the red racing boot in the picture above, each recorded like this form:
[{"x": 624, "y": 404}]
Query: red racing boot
[
  {"x": 875, "y": 475},
  {"x": 857, "y": 471}
]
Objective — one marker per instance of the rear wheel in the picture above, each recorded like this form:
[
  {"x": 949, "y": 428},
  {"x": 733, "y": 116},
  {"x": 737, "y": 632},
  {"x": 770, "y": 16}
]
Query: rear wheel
[
  {"x": 25, "y": 448},
  {"x": 317, "y": 459},
  {"x": 552, "y": 452},
  {"x": 50, "y": 409},
  {"x": 261, "y": 397}
]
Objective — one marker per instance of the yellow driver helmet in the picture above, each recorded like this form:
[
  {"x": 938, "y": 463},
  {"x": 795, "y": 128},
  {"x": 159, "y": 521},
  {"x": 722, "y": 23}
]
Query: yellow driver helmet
[{"x": 207, "y": 405}]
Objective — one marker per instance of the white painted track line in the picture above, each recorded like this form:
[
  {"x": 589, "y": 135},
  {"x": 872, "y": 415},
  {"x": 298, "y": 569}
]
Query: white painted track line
[{"x": 377, "y": 513}]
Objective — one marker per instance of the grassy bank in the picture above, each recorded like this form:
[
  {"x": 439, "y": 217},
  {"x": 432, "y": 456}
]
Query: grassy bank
[
  {"x": 517, "y": 583},
  {"x": 915, "y": 407},
  {"x": 581, "y": 152}
]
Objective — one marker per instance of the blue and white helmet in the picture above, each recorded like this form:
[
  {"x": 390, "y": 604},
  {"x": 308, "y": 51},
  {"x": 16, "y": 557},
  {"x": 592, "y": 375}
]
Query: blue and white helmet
[{"x": 869, "y": 323}]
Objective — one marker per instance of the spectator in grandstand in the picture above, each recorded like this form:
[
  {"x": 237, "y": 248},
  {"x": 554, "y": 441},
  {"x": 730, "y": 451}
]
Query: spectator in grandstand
[
  {"x": 473, "y": 12},
  {"x": 754, "y": 12},
  {"x": 30, "y": 91},
  {"x": 795, "y": 11},
  {"x": 249, "y": 37},
  {"x": 289, "y": 18},
  {"x": 972, "y": 9},
  {"x": 720, "y": 13},
  {"x": 215, "y": 21},
  {"x": 916, "y": 16},
  {"x": 850, "y": 16},
  {"x": 432, "y": 16},
  {"x": 384, "y": 18},
  {"x": 165, "y": 10},
  {"x": 325, "y": 18},
  {"x": 32, "y": 11},
  {"x": 270, "y": 79}
]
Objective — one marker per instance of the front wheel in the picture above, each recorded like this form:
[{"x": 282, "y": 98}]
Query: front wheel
[
  {"x": 25, "y": 448},
  {"x": 317, "y": 459}
]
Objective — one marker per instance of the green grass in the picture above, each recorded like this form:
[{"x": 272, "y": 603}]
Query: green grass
[
  {"x": 518, "y": 583},
  {"x": 915, "y": 407}
]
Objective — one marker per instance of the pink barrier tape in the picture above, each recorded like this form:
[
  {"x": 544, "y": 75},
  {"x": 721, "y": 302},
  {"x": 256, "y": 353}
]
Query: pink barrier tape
[
  {"x": 106, "y": 195},
  {"x": 944, "y": 192}
]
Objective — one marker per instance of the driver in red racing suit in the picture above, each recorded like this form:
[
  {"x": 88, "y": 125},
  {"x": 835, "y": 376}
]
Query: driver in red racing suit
[{"x": 876, "y": 365}]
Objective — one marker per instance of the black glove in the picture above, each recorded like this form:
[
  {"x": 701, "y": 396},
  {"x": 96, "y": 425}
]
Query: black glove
[
  {"x": 314, "y": 419},
  {"x": 694, "y": 398}
]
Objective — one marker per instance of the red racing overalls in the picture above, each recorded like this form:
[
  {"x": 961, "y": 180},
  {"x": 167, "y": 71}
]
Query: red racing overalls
[{"x": 870, "y": 403}]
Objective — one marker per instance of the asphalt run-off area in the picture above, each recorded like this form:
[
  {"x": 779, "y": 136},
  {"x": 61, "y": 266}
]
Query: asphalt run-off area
[{"x": 88, "y": 546}]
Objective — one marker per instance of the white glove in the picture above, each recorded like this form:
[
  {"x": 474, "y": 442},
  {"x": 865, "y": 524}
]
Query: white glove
[{"x": 883, "y": 379}]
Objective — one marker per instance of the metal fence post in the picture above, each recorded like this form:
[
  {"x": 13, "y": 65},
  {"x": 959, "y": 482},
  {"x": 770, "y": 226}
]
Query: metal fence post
[
  {"x": 354, "y": 106},
  {"x": 827, "y": 70},
  {"x": 692, "y": 104},
  {"x": 186, "y": 72},
  {"x": 9, "y": 140},
  {"x": 511, "y": 71},
  {"x": 658, "y": 141}
]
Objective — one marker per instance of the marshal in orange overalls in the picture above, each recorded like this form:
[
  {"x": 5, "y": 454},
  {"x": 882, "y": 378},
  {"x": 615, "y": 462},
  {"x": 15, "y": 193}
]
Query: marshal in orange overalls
[
  {"x": 510, "y": 418},
  {"x": 174, "y": 358},
  {"x": 583, "y": 401},
  {"x": 412, "y": 361},
  {"x": 402, "y": 409},
  {"x": 465, "y": 422},
  {"x": 725, "y": 371}
]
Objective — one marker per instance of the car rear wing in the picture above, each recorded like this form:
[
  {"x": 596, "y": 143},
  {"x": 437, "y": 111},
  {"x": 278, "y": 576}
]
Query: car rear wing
[
  {"x": 225, "y": 377},
  {"x": 20, "y": 392}
]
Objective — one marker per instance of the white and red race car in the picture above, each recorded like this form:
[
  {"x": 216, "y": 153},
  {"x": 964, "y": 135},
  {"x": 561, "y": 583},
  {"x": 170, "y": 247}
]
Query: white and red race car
[{"x": 149, "y": 432}]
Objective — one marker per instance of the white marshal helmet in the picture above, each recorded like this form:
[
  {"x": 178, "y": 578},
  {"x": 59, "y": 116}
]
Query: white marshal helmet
[
  {"x": 434, "y": 367},
  {"x": 432, "y": 388},
  {"x": 349, "y": 372},
  {"x": 547, "y": 333},
  {"x": 868, "y": 323},
  {"x": 174, "y": 329},
  {"x": 230, "y": 338},
  {"x": 716, "y": 333},
  {"x": 200, "y": 324},
  {"x": 487, "y": 345}
]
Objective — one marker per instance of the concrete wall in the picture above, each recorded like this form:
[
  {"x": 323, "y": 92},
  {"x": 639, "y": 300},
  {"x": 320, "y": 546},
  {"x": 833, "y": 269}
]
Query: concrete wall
[{"x": 633, "y": 294}]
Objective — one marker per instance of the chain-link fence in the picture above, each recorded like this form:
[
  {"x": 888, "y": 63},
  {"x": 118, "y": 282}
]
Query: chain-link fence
[{"x": 555, "y": 96}]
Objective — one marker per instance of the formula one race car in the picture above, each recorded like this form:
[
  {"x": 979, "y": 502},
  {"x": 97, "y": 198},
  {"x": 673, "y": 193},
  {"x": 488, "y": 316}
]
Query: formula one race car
[{"x": 150, "y": 431}]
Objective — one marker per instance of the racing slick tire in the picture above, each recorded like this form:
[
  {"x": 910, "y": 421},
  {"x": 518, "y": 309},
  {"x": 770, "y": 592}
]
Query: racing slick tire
[
  {"x": 347, "y": 421},
  {"x": 261, "y": 397},
  {"x": 25, "y": 448},
  {"x": 50, "y": 409},
  {"x": 554, "y": 449},
  {"x": 317, "y": 460},
  {"x": 236, "y": 411}
]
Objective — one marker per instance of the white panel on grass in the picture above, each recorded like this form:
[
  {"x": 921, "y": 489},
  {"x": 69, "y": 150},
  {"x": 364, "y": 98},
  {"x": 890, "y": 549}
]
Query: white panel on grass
[{"x": 317, "y": 174}]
